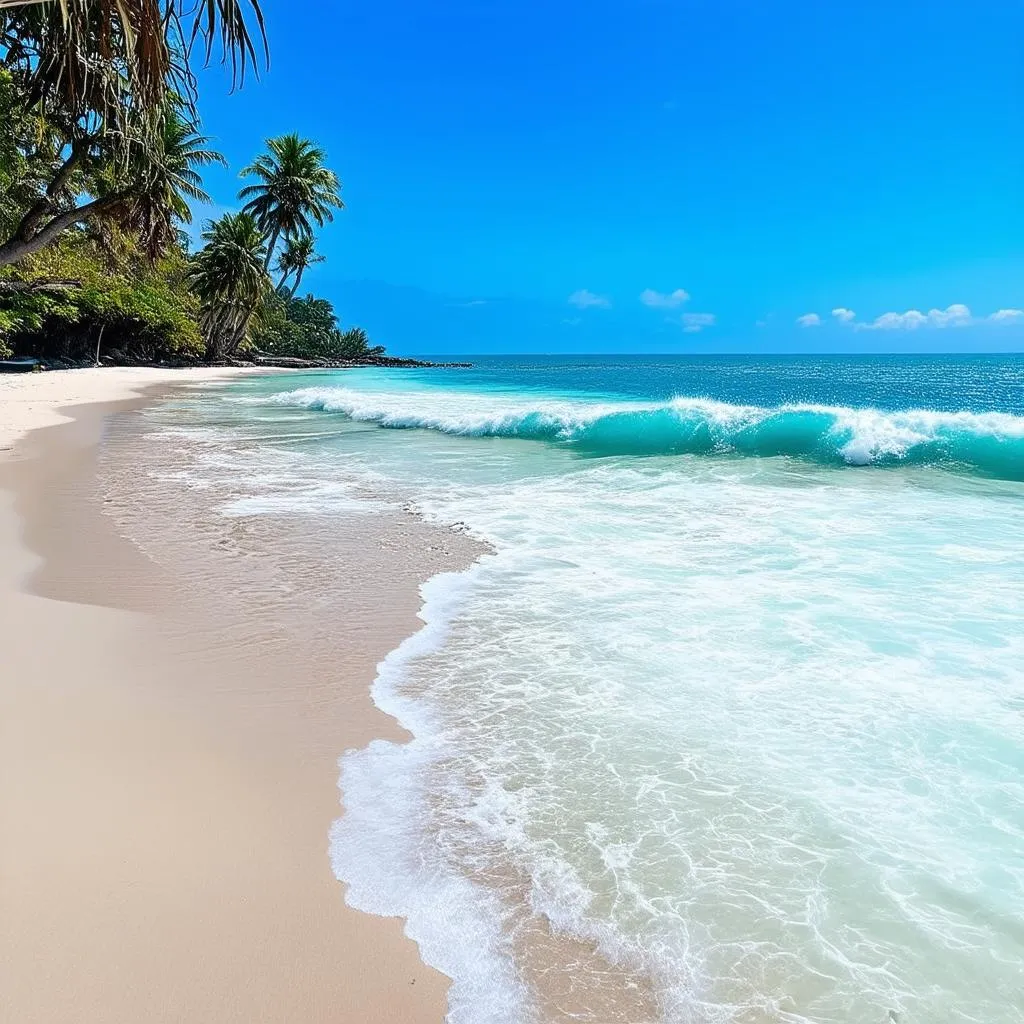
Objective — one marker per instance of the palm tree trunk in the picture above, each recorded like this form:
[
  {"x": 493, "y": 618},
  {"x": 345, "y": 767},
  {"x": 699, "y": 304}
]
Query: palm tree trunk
[
  {"x": 271, "y": 245},
  {"x": 295, "y": 287},
  {"x": 216, "y": 327}
]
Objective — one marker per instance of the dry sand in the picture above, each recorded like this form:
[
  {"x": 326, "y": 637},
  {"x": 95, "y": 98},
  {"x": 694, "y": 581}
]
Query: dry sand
[{"x": 168, "y": 759}]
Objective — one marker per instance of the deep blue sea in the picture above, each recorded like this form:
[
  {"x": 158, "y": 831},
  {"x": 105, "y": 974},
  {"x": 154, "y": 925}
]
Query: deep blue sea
[{"x": 736, "y": 701}]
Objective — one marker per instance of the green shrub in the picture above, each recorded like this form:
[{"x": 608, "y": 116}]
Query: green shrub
[{"x": 145, "y": 311}]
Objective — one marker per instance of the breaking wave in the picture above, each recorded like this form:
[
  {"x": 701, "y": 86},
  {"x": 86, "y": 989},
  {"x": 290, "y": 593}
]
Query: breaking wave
[{"x": 989, "y": 444}]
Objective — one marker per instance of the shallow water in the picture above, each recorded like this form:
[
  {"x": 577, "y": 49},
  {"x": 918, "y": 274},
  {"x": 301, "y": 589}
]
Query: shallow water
[{"x": 737, "y": 701}]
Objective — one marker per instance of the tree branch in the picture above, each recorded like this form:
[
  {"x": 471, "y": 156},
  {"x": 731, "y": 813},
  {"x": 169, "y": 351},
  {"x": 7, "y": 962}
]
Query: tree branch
[
  {"x": 18, "y": 248},
  {"x": 45, "y": 203}
]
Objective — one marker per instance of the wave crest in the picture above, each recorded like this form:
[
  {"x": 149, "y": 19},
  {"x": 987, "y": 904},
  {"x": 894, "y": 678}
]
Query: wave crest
[{"x": 989, "y": 444}]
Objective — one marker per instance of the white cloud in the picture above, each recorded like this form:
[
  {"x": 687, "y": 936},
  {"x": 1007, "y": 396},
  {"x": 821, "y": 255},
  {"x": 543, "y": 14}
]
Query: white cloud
[
  {"x": 908, "y": 321},
  {"x": 693, "y": 323},
  {"x": 957, "y": 315},
  {"x": 1007, "y": 316},
  {"x": 760, "y": 323},
  {"x": 809, "y": 320},
  {"x": 664, "y": 300},
  {"x": 586, "y": 299}
]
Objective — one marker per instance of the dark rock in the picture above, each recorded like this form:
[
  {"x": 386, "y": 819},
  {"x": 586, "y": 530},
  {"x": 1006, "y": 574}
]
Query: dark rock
[{"x": 291, "y": 362}]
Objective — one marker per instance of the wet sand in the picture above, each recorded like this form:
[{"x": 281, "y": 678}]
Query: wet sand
[{"x": 170, "y": 740}]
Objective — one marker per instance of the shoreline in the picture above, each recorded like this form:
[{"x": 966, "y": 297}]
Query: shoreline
[{"x": 175, "y": 771}]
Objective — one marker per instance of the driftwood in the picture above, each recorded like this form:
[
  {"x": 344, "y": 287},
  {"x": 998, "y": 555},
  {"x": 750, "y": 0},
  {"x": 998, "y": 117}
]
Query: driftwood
[{"x": 29, "y": 287}]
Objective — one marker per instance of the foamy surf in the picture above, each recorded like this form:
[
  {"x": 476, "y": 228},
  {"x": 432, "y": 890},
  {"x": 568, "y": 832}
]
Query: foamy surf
[
  {"x": 742, "y": 839},
  {"x": 390, "y": 867}
]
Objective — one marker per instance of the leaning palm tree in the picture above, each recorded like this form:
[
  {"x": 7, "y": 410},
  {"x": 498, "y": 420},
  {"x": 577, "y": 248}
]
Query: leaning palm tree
[
  {"x": 297, "y": 256},
  {"x": 230, "y": 279},
  {"x": 294, "y": 190},
  {"x": 146, "y": 191},
  {"x": 92, "y": 55}
]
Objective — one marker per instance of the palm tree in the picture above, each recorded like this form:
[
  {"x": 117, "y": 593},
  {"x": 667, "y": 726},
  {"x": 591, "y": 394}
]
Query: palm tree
[
  {"x": 175, "y": 176},
  {"x": 94, "y": 78},
  {"x": 167, "y": 180},
  {"x": 294, "y": 190},
  {"x": 355, "y": 343},
  {"x": 296, "y": 257},
  {"x": 229, "y": 276},
  {"x": 85, "y": 55}
]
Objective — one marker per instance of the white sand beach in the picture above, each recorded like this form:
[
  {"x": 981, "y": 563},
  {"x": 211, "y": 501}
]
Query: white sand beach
[{"x": 169, "y": 790}]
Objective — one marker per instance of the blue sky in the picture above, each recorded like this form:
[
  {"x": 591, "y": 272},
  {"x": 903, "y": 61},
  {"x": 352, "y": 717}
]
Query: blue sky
[{"x": 519, "y": 175}]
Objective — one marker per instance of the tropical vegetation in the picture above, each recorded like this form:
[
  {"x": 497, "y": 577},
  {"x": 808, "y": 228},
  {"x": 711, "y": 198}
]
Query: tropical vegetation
[
  {"x": 101, "y": 161},
  {"x": 308, "y": 328},
  {"x": 229, "y": 277}
]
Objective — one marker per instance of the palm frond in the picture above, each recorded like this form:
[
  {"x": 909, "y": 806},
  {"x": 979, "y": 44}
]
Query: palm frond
[{"x": 89, "y": 56}]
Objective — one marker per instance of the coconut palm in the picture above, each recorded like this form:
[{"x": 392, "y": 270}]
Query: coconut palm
[
  {"x": 229, "y": 276},
  {"x": 95, "y": 78},
  {"x": 294, "y": 190},
  {"x": 296, "y": 257}
]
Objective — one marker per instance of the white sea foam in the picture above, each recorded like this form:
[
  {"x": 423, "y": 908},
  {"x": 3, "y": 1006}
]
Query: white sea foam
[{"x": 747, "y": 751}]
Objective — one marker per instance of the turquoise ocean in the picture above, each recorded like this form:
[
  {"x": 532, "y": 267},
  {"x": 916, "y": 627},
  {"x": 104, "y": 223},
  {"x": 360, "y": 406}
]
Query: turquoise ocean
[{"x": 735, "y": 698}]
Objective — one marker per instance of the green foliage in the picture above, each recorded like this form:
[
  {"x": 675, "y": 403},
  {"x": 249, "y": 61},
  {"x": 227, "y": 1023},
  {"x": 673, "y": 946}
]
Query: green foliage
[
  {"x": 297, "y": 256},
  {"x": 307, "y": 329},
  {"x": 80, "y": 57},
  {"x": 316, "y": 320},
  {"x": 165, "y": 179},
  {"x": 145, "y": 310},
  {"x": 140, "y": 179},
  {"x": 58, "y": 174},
  {"x": 355, "y": 344},
  {"x": 98, "y": 129},
  {"x": 20, "y": 175}
]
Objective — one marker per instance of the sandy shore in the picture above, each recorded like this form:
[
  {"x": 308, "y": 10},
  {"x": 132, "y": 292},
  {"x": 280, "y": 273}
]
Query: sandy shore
[{"x": 169, "y": 750}]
